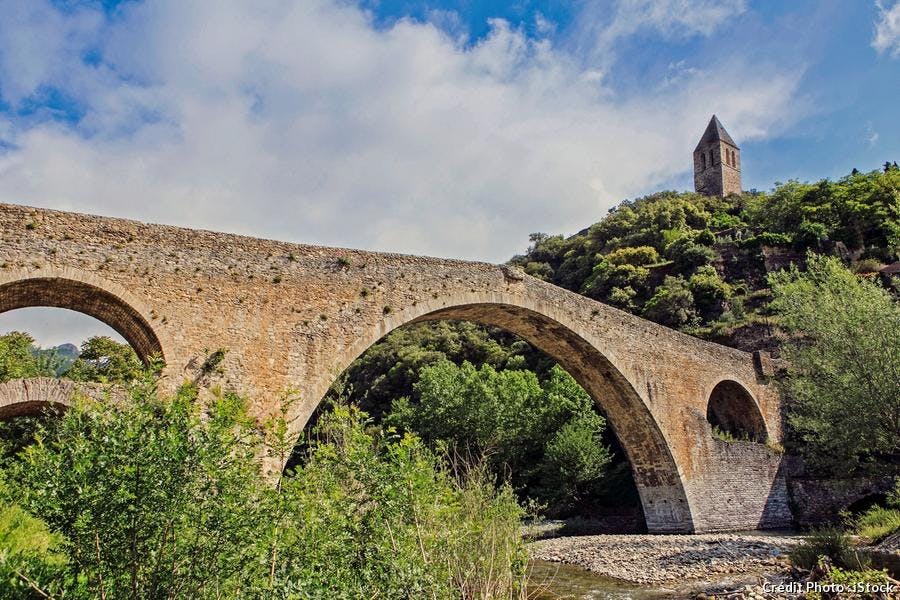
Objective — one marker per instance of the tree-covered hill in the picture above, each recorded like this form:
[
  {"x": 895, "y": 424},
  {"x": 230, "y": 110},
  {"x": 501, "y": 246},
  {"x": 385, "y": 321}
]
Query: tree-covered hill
[{"x": 699, "y": 263}]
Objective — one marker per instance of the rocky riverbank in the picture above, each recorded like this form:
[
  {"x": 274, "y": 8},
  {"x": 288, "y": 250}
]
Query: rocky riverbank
[{"x": 657, "y": 559}]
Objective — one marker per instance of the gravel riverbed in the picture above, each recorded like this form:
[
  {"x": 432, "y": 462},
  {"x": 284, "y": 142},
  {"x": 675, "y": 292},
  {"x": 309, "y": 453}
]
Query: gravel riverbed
[{"x": 651, "y": 559}]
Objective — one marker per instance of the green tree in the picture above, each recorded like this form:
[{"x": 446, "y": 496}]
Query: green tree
[
  {"x": 672, "y": 304},
  {"x": 515, "y": 421},
  {"x": 576, "y": 457},
  {"x": 844, "y": 379},
  {"x": 19, "y": 358},
  {"x": 710, "y": 292},
  {"x": 104, "y": 360}
]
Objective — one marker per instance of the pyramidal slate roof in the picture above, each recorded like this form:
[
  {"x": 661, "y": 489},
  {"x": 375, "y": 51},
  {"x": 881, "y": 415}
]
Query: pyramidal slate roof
[{"x": 715, "y": 132}]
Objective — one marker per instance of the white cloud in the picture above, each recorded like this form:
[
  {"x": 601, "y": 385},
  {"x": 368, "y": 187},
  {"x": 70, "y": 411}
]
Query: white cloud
[
  {"x": 871, "y": 135},
  {"x": 599, "y": 28},
  {"x": 302, "y": 121},
  {"x": 887, "y": 29}
]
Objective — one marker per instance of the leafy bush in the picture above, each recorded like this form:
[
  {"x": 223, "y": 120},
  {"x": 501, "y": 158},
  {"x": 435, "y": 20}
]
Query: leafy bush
[
  {"x": 709, "y": 291},
  {"x": 839, "y": 583},
  {"x": 672, "y": 304},
  {"x": 544, "y": 435},
  {"x": 633, "y": 255},
  {"x": 688, "y": 254},
  {"x": 19, "y": 358},
  {"x": 166, "y": 497},
  {"x": 29, "y": 552},
  {"x": 575, "y": 457},
  {"x": 728, "y": 436}
]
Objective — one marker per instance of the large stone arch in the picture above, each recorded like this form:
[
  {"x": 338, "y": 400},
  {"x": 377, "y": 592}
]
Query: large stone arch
[
  {"x": 664, "y": 501},
  {"x": 85, "y": 293}
]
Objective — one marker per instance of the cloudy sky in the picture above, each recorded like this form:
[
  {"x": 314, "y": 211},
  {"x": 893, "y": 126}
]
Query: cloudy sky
[{"x": 451, "y": 128}]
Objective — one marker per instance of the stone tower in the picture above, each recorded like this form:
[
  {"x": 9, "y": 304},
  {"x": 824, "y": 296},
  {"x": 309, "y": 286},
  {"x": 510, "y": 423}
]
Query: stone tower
[{"x": 717, "y": 162}]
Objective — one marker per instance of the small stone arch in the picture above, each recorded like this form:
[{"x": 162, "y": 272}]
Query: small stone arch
[
  {"x": 660, "y": 486},
  {"x": 84, "y": 293},
  {"x": 733, "y": 409},
  {"x": 38, "y": 395}
]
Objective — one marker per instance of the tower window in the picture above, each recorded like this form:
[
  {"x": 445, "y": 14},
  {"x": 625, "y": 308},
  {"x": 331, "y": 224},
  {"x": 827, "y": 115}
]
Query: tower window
[
  {"x": 703, "y": 160},
  {"x": 712, "y": 158}
]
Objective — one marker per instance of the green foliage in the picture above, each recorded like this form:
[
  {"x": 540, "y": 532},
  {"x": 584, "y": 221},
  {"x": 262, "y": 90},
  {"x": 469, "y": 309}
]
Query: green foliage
[
  {"x": 390, "y": 368},
  {"x": 31, "y": 556},
  {"x": 672, "y": 304},
  {"x": 829, "y": 542},
  {"x": 893, "y": 497},
  {"x": 166, "y": 497},
  {"x": 545, "y": 435},
  {"x": 639, "y": 255},
  {"x": 861, "y": 210},
  {"x": 575, "y": 457},
  {"x": 19, "y": 358},
  {"x": 849, "y": 583},
  {"x": 688, "y": 255},
  {"x": 104, "y": 360},
  {"x": 844, "y": 377},
  {"x": 878, "y": 523},
  {"x": 101, "y": 359},
  {"x": 710, "y": 292},
  {"x": 729, "y": 436}
]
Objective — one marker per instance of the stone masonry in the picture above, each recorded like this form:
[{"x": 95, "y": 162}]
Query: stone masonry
[
  {"x": 293, "y": 317},
  {"x": 717, "y": 162}
]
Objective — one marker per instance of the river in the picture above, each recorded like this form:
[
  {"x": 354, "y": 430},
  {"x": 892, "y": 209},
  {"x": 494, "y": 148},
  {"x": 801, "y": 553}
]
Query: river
[{"x": 551, "y": 581}]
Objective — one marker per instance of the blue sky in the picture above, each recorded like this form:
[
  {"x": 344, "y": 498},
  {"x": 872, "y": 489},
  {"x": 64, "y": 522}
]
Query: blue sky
[
  {"x": 850, "y": 91},
  {"x": 451, "y": 128}
]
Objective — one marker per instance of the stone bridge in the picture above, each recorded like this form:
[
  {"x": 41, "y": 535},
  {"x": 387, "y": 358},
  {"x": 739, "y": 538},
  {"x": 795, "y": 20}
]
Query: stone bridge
[{"x": 295, "y": 316}]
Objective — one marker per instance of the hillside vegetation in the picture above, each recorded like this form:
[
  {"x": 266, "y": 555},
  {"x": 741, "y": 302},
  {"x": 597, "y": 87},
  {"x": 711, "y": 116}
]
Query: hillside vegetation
[{"x": 699, "y": 263}]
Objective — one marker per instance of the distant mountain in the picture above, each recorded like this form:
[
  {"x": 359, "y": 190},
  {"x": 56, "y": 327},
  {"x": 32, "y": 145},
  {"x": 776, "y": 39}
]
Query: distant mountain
[
  {"x": 67, "y": 350},
  {"x": 59, "y": 358}
]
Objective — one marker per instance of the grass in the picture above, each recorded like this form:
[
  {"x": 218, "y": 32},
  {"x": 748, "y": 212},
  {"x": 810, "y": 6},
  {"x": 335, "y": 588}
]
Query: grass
[
  {"x": 831, "y": 542},
  {"x": 878, "y": 523}
]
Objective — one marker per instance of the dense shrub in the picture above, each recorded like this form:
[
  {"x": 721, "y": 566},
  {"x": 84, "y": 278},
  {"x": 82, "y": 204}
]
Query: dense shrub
[
  {"x": 672, "y": 304},
  {"x": 861, "y": 210},
  {"x": 19, "y": 358},
  {"x": 878, "y": 523},
  {"x": 544, "y": 435},
  {"x": 165, "y": 497}
]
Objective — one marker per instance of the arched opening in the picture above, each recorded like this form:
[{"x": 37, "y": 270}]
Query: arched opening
[
  {"x": 703, "y": 161},
  {"x": 656, "y": 476},
  {"x": 490, "y": 397},
  {"x": 85, "y": 298},
  {"x": 734, "y": 415},
  {"x": 57, "y": 331}
]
